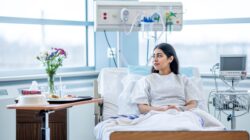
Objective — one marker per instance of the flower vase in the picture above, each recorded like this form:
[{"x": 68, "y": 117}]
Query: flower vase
[{"x": 51, "y": 83}]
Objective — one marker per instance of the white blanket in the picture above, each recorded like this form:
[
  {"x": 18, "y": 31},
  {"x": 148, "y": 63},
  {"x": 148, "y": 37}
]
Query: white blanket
[{"x": 159, "y": 121}]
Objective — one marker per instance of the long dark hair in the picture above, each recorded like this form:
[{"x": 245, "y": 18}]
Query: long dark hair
[{"x": 169, "y": 51}]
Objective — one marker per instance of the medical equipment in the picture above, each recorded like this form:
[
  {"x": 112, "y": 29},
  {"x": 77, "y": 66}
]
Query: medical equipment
[
  {"x": 127, "y": 16},
  {"x": 233, "y": 67},
  {"x": 231, "y": 102},
  {"x": 131, "y": 16}
]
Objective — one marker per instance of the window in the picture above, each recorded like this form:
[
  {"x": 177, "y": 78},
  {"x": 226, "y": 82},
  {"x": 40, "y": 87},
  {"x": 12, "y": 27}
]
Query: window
[
  {"x": 64, "y": 25},
  {"x": 48, "y": 9},
  {"x": 201, "y": 45}
]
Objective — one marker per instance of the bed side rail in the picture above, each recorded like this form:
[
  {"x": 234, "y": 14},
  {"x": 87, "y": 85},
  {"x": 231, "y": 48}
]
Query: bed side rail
[{"x": 99, "y": 106}]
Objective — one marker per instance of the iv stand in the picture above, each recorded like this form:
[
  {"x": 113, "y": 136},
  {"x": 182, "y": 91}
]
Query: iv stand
[{"x": 233, "y": 117}]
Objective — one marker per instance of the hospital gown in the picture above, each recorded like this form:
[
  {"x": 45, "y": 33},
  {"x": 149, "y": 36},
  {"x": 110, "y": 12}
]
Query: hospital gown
[{"x": 160, "y": 90}]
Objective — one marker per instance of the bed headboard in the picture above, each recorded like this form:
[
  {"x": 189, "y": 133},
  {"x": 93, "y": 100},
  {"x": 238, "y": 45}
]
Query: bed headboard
[{"x": 110, "y": 82}]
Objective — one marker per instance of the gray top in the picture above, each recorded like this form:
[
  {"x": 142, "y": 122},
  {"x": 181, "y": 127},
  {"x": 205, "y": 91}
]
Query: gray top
[{"x": 159, "y": 90}]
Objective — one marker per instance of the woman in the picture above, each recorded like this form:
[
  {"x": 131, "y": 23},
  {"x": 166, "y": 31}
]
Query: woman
[
  {"x": 165, "y": 89},
  {"x": 162, "y": 90}
]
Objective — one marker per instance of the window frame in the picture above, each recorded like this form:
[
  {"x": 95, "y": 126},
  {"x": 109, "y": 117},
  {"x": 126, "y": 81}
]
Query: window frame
[
  {"x": 222, "y": 21},
  {"x": 14, "y": 74}
]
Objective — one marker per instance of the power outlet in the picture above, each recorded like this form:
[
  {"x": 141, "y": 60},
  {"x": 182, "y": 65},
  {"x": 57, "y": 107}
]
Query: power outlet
[
  {"x": 111, "y": 52},
  {"x": 124, "y": 15}
]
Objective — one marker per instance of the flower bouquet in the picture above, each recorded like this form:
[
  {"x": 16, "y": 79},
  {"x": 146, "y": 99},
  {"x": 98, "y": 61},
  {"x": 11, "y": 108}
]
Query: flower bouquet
[{"x": 52, "y": 59}]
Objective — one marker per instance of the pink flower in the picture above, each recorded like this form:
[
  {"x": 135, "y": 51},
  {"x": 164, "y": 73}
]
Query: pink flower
[{"x": 61, "y": 51}]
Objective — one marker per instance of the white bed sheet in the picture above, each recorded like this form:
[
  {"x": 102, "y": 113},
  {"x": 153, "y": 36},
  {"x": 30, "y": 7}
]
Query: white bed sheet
[{"x": 171, "y": 120}]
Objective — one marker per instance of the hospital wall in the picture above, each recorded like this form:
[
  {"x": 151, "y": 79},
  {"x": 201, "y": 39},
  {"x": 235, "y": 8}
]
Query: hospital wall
[{"x": 128, "y": 46}]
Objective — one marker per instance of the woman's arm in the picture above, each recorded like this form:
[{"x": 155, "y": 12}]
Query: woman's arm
[
  {"x": 190, "y": 105},
  {"x": 144, "y": 108}
]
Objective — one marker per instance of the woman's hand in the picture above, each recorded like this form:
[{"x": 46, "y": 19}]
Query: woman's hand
[
  {"x": 173, "y": 107},
  {"x": 161, "y": 108},
  {"x": 143, "y": 108},
  {"x": 167, "y": 107}
]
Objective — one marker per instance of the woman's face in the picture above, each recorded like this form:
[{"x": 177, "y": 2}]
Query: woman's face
[{"x": 160, "y": 60}]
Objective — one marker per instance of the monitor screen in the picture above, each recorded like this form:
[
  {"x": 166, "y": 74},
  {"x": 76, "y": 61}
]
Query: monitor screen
[{"x": 233, "y": 63}]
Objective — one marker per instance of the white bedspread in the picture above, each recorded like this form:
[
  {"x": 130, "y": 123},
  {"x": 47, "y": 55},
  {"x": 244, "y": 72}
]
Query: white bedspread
[{"x": 159, "y": 121}]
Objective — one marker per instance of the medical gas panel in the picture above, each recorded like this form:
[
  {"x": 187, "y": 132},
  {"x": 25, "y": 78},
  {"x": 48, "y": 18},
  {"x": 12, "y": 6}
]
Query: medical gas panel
[{"x": 129, "y": 16}]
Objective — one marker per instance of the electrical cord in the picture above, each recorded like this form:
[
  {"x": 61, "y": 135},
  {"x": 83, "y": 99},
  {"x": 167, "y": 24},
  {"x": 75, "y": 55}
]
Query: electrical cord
[
  {"x": 163, "y": 26},
  {"x": 136, "y": 20},
  {"x": 245, "y": 112},
  {"x": 208, "y": 101},
  {"x": 224, "y": 111},
  {"x": 112, "y": 53},
  {"x": 147, "y": 57},
  {"x": 216, "y": 66},
  {"x": 213, "y": 70},
  {"x": 226, "y": 83}
]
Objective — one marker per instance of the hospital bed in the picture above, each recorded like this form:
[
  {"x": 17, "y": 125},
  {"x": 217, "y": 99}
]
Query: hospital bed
[{"x": 113, "y": 81}]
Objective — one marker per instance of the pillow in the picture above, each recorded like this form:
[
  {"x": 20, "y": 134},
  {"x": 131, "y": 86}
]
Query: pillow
[
  {"x": 113, "y": 76},
  {"x": 139, "y": 70},
  {"x": 193, "y": 75},
  {"x": 109, "y": 87},
  {"x": 125, "y": 107},
  {"x": 135, "y": 73},
  {"x": 189, "y": 72}
]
